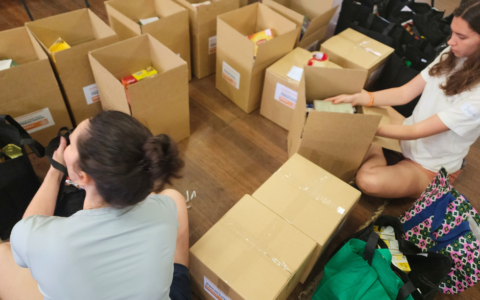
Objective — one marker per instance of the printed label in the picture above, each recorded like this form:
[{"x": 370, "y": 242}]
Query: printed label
[
  {"x": 285, "y": 95},
  {"x": 36, "y": 121},
  {"x": 213, "y": 290},
  {"x": 312, "y": 46},
  {"x": 230, "y": 75},
  {"x": 91, "y": 93},
  {"x": 212, "y": 44},
  {"x": 470, "y": 111}
]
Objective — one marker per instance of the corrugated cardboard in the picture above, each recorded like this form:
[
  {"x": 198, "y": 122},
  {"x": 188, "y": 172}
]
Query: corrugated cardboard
[
  {"x": 278, "y": 85},
  {"x": 235, "y": 52},
  {"x": 171, "y": 29},
  {"x": 334, "y": 141},
  {"x": 160, "y": 102},
  {"x": 309, "y": 198},
  {"x": 389, "y": 116},
  {"x": 320, "y": 13},
  {"x": 31, "y": 86},
  {"x": 351, "y": 49},
  {"x": 203, "y": 29},
  {"x": 250, "y": 254},
  {"x": 84, "y": 32}
]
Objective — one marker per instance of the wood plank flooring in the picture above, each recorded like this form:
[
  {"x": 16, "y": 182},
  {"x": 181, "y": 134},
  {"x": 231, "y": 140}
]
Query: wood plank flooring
[{"x": 230, "y": 153}]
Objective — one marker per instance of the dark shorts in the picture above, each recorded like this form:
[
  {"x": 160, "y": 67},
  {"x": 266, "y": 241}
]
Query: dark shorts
[{"x": 180, "y": 288}]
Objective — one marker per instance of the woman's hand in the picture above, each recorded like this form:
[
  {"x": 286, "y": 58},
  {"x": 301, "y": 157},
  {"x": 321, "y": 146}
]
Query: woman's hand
[
  {"x": 58, "y": 154},
  {"x": 355, "y": 99}
]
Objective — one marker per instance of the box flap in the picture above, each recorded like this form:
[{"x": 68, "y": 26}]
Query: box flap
[
  {"x": 165, "y": 8},
  {"x": 284, "y": 11},
  {"x": 358, "y": 48},
  {"x": 269, "y": 19},
  {"x": 269, "y": 52},
  {"x": 100, "y": 29},
  {"x": 322, "y": 83},
  {"x": 385, "y": 113},
  {"x": 134, "y": 10},
  {"x": 73, "y": 27},
  {"x": 17, "y": 45},
  {"x": 298, "y": 120},
  {"x": 338, "y": 142},
  {"x": 253, "y": 250},
  {"x": 311, "y": 8},
  {"x": 124, "y": 26},
  {"x": 319, "y": 22},
  {"x": 308, "y": 197},
  {"x": 241, "y": 20}
]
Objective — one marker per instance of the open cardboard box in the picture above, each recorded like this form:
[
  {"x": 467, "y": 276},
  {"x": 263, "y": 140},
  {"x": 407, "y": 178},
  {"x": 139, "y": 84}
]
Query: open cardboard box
[
  {"x": 336, "y": 142},
  {"x": 29, "y": 92},
  {"x": 203, "y": 29},
  {"x": 353, "y": 50},
  {"x": 84, "y": 32},
  {"x": 311, "y": 199},
  {"x": 159, "y": 102},
  {"x": 171, "y": 29},
  {"x": 320, "y": 12},
  {"x": 250, "y": 254},
  {"x": 280, "y": 91},
  {"x": 240, "y": 74}
]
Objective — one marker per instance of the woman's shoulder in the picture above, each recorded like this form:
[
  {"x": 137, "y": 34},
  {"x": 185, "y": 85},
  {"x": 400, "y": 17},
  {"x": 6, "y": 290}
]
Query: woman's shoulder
[{"x": 161, "y": 201}]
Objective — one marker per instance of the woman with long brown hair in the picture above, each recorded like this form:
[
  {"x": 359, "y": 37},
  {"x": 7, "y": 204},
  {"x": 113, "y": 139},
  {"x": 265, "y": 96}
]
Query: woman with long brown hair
[{"x": 444, "y": 124}]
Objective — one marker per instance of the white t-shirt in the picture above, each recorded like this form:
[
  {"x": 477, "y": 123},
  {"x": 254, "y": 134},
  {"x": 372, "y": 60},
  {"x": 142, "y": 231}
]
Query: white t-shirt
[
  {"x": 103, "y": 253},
  {"x": 460, "y": 113}
]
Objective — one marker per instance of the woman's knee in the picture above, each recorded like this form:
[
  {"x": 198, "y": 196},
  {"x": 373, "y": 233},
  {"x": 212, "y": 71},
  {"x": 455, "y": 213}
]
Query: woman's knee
[{"x": 368, "y": 182}]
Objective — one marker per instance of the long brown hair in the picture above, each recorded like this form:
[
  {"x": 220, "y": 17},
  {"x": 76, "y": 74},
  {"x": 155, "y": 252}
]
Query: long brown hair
[{"x": 468, "y": 75}]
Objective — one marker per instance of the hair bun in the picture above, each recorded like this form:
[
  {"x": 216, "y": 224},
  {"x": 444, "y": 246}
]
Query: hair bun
[{"x": 164, "y": 161}]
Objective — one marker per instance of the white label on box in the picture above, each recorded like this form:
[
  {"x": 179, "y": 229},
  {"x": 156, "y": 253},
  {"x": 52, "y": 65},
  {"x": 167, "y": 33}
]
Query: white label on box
[
  {"x": 285, "y": 95},
  {"x": 91, "y": 93},
  {"x": 213, "y": 290},
  {"x": 36, "y": 121},
  {"x": 312, "y": 47},
  {"x": 295, "y": 73},
  {"x": 231, "y": 75},
  {"x": 212, "y": 44}
]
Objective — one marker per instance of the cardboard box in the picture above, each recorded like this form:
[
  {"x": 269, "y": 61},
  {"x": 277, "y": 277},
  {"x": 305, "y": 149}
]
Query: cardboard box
[
  {"x": 203, "y": 29},
  {"x": 336, "y": 142},
  {"x": 282, "y": 85},
  {"x": 240, "y": 75},
  {"x": 311, "y": 199},
  {"x": 171, "y": 29},
  {"x": 84, "y": 32},
  {"x": 389, "y": 116},
  {"x": 353, "y": 50},
  {"x": 320, "y": 12},
  {"x": 29, "y": 92},
  {"x": 250, "y": 254},
  {"x": 159, "y": 102}
]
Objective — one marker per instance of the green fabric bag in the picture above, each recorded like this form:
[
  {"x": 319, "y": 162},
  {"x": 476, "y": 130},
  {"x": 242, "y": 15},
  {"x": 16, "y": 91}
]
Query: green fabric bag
[{"x": 349, "y": 276}]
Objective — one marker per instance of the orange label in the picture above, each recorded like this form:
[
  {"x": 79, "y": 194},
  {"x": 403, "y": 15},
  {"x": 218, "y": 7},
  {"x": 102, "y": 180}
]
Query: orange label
[{"x": 36, "y": 124}]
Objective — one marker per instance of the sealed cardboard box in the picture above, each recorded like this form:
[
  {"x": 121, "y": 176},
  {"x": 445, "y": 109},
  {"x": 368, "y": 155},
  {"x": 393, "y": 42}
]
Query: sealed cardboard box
[
  {"x": 29, "y": 91},
  {"x": 353, "y": 50},
  {"x": 83, "y": 31},
  {"x": 250, "y": 254},
  {"x": 171, "y": 28},
  {"x": 337, "y": 142},
  {"x": 311, "y": 16},
  {"x": 203, "y": 25},
  {"x": 160, "y": 102},
  {"x": 240, "y": 74},
  {"x": 309, "y": 198},
  {"x": 282, "y": 83}
]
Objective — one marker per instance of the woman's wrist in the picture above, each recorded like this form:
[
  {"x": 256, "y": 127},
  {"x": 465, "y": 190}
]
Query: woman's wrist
[
  {"x": 54, "y": 174},
  {"x": 363, "y": 98}
]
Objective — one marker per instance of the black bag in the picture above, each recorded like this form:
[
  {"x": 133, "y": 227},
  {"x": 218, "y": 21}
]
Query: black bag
[
  {"x": 428, "y": 269},
  {"x": 18, "y": 181},
  {"x": 70, "y": 198}
]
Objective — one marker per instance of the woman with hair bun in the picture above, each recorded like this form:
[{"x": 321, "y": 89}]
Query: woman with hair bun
[
  {"x": 444, "y": 123},
  {"x": 130, "y": 241}
]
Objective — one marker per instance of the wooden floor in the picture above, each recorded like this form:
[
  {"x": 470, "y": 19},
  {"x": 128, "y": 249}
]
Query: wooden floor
[{"x": 230, "y": 153}]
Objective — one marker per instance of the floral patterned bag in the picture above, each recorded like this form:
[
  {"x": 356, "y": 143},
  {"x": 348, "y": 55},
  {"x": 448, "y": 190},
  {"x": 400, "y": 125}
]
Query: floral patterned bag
[{"x": 444, "y": 221}]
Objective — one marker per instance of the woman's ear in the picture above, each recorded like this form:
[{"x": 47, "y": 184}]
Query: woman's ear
[{"x": 83, "y": 179}]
